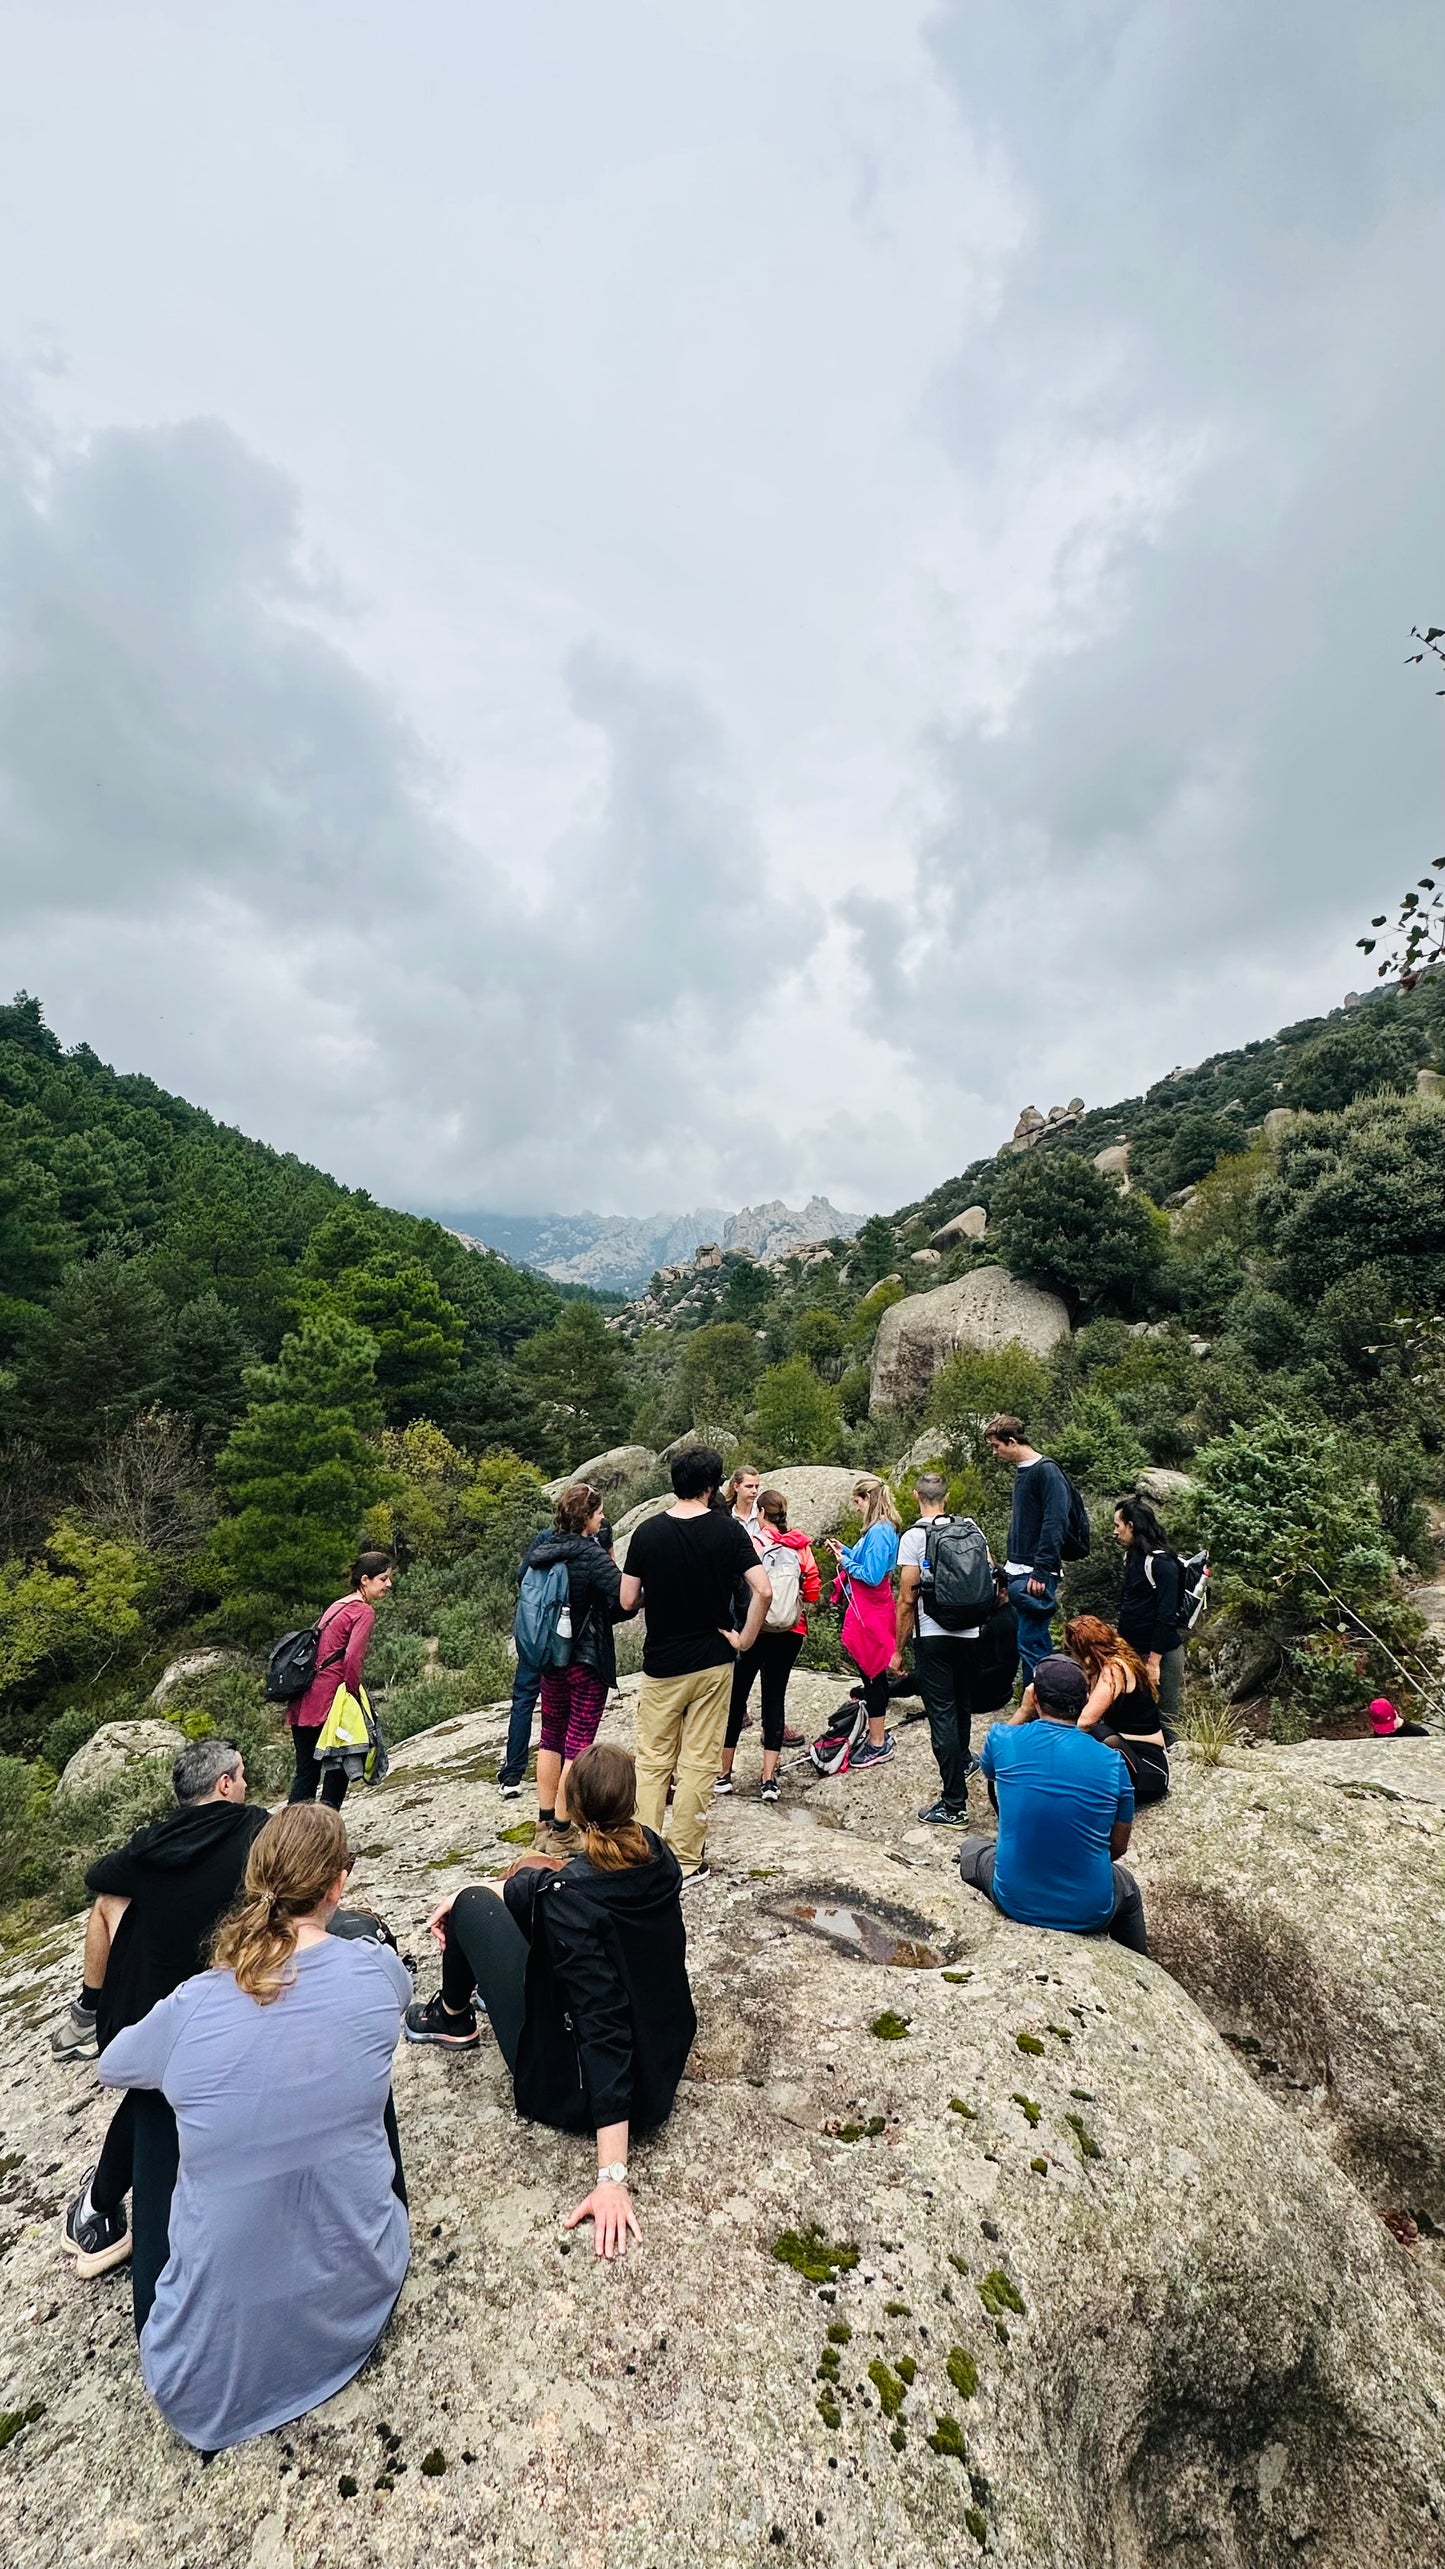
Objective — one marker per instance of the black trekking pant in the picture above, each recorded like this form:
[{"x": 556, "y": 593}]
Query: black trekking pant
[
  {"x": 1125, "y": 1922},
  {"x": 943, "y": 1666},
  {"x": 140, "y": 2157},
  {"x": 772, "y": 1658},
  {"x": 486, "y": 1951},
  {"x": 331, "y": 1779}
]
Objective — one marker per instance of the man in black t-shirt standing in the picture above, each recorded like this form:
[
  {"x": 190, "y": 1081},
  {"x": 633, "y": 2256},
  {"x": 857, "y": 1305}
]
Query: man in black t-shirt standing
[{"x": 684, "y": 1569}]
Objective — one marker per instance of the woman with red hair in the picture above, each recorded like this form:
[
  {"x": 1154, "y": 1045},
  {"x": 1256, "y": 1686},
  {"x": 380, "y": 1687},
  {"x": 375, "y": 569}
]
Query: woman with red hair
[{"x": 1122, "y": 1709}]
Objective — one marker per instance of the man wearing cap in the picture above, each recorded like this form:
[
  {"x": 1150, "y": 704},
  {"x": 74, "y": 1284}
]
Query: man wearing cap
[{"x": 1065, "y": 1811}]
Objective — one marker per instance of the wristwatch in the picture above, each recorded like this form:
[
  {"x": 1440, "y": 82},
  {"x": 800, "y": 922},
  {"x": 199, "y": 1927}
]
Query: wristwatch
[{"x": 615, "y": 2174}]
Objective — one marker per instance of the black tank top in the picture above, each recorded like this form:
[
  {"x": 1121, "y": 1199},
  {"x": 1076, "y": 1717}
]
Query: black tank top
[{"x": 1133, "y": 1715}]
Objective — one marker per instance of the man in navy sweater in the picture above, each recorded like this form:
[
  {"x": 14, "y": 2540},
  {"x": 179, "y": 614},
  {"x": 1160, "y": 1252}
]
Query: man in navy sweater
[{"x": 1037, "y": 1526}]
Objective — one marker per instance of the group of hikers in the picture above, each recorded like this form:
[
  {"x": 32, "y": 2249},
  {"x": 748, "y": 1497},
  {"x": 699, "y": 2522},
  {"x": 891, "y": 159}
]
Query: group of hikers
[{"x": 249, "y": 2015}]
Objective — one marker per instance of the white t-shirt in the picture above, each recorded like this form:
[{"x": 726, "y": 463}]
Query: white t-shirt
[{"x": 912, "y": 1552}]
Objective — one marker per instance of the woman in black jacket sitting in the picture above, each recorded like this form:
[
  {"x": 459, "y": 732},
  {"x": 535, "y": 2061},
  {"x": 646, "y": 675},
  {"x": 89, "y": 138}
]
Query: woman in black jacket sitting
[
  {"x": 573, "y": 1697},
  {"x": 582, "y": 1968}
]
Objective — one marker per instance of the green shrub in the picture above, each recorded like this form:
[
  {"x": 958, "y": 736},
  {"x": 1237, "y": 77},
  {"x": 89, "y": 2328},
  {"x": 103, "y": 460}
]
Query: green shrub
[
  {"x": 978, "y": 1383},
  {"x": 1282, "y": 1506},
  {"x": 461, "y": 1633},
  {"x": 796, "y": 1415},
  {"x": 1057, "y": 1221},
  {"x": 393, "y": 1659},
  {"x": 424, "y": 1703},
  {"x": 1095, "y": 1445}
]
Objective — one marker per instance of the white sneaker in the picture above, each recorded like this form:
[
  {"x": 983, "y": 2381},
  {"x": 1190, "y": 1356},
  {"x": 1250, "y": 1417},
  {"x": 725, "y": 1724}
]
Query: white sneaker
[{"x": 723, "y": 1786}]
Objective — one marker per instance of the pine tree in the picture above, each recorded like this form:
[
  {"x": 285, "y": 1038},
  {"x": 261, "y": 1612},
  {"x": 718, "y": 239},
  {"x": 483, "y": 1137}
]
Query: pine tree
[{"x": 300, "y": 1473}]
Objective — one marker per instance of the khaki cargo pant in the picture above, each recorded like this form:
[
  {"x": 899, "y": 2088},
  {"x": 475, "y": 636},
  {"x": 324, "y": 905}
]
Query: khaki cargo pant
[{"x": 680, "y": 1727}]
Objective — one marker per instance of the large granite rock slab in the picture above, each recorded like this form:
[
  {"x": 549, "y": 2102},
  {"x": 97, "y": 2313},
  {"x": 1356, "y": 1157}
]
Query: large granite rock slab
[
  {"x": 114, "y": 1747},
  {"x": 987, "y": 1308},
  {"x": 1104, "y": 2298}
]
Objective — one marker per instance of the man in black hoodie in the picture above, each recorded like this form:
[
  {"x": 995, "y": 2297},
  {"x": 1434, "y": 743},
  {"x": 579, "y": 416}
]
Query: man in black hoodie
[{"x": 157, "y": 1903}]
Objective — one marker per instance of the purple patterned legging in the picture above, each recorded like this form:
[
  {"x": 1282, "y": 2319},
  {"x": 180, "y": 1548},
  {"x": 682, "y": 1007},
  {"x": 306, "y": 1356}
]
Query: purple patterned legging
[{"x": 572, "y": 1701}]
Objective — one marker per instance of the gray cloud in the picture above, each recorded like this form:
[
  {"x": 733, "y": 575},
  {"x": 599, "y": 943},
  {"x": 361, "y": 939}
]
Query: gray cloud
[
  {"x": 196, "y": 774},
  {"x": 1215, "y": 766}
]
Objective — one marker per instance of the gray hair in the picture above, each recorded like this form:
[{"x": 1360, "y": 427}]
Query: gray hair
[
  {"x": 931, "y": 1487},
  {"x": 200, "y": 1767}
]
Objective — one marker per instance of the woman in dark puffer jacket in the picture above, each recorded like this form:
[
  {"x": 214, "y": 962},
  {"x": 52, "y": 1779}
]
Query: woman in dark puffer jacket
[{"x": 573, "y": 1697}]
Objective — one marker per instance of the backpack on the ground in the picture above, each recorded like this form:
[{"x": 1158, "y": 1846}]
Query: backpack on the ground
[
  {"x": 542, "y": 1625},
  {"x": 1193, "y": 1585},
  {"x": 784, "y": 1567},
  {"x": 1078, "y": 1533},
  {"x": 293, "y": 1664},
  {"x": 956, "y": 1579},
  {"x": 832, "y": 1753}
]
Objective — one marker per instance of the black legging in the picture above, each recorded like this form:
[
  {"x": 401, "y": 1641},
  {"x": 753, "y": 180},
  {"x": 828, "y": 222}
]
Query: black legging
[
  {"x": 771, "y": 1657},
  {"x": 1148, "y": 1764},
  {"x": 486, "y": 1951},
  {"x": 332, "y": 1779},
  {"x": 875, "y": 1694}
]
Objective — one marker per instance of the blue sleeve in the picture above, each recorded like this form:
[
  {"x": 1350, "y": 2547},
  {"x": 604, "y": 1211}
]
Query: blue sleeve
[
  {"x": 1125, "y": 1808},
  {"x": 1049, "y": 1542},
  {"x": 986, "y": 1758},
  {"x": 137, "y": 2055},
  {"x": 872, "y": 1558}
]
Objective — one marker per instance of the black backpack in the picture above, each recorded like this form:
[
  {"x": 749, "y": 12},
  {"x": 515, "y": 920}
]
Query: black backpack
[
  {"x": 293, "y": 1664},
  {"x": 956, "y": 1580},
  {"x": 1078, "y": 1533}
]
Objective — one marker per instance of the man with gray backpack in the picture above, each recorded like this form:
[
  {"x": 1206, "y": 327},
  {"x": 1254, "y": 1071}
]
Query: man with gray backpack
[{"x": 947, "y": 1596}]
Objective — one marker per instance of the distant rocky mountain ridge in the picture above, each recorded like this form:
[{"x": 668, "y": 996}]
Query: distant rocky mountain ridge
[{"x": 617, "y": 1253}]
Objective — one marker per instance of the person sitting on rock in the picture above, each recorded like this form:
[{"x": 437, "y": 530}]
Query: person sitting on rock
[
  {"x": 157, "y": 1901},
  {"x": 1121, "y": 1708},
  {"x": 581, "y": 1968},
  {"x": 1065, "y": 1810},
  {"x": 1386, "y": 1722},
  {"x": 289, "y": 2239},
  {"x": 772, "y": 1656}
]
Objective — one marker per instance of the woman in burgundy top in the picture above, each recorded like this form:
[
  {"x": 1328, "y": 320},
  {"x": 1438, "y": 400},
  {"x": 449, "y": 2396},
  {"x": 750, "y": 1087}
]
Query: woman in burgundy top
[{"x": 342, "y": 1642}]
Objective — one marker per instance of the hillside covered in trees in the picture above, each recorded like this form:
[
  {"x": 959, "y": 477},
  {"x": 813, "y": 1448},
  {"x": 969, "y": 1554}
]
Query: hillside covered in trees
[{"x": 218, "y": 1369}]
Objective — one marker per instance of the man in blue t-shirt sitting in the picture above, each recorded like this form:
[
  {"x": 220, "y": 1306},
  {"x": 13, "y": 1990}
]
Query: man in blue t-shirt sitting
[{"x": 1065, "y": 1809}]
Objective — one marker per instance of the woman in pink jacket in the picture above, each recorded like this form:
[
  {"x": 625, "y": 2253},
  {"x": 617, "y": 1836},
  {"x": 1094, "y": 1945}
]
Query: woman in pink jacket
[{"x": 343, "y": 1639}]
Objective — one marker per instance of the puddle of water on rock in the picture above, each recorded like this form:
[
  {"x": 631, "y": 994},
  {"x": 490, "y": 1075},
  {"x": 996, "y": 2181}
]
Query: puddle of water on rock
[{"x": 859, "y": 1932}]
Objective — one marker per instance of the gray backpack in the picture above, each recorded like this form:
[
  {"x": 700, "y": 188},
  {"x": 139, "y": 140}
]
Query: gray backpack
[{"x": 956, "y": 1581}]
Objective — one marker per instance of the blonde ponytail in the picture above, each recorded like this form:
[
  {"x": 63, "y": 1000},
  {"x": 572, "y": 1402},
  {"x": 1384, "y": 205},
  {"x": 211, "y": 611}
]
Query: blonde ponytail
[
  {"x": 291, "y": 1867},
  {"x": 601, "y": 1799}
]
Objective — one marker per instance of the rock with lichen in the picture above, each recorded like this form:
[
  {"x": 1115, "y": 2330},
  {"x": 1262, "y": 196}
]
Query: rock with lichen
[{"x": 878, "y": 2313}]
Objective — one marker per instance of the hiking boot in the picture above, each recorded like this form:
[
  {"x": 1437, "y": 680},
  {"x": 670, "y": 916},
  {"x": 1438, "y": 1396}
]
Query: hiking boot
[
  {"x": 770, "y": 1790},
  {"x": 868, "y": 1756},
  {"x": 75, "y": 2039},
  {"x": 428, "y": 2021},
  {"x": 96, "y": 2240},
  {"x": 945, "y": 1816},
  {"x": 723, "y": 1786}
]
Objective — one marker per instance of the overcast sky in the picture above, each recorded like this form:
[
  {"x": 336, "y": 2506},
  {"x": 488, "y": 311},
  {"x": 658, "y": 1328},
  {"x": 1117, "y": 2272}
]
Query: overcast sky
[{"x": 622, "y": 605}]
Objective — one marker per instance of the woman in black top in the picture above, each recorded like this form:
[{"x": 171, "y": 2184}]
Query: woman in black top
[
  {"x": 582, "y": 1968},
  {"x": 1150, "y": 1601},
  {"x": 1121, "y": 1709}
]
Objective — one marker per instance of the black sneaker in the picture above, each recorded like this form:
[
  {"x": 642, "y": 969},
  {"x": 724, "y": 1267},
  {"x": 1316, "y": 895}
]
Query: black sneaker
[
  {"x": 699, "y": 1873},
  {"x": 510, "y": 1792},
  {"x": 944, "y": 1816},
  {"x": 428, "y": 2021},
  {"x": 96, "y": 2240},
  {"x": 770, "y": 1790}
]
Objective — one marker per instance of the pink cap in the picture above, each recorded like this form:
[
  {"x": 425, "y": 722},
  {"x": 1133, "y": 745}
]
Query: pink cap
[{"x": 1383, "y": 1715}]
